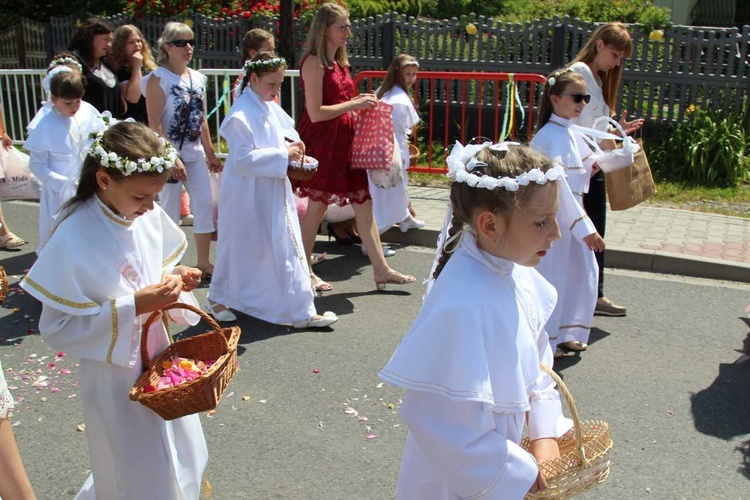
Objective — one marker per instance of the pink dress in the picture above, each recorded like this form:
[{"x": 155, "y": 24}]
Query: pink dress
[{"x": 329, "y": 142}]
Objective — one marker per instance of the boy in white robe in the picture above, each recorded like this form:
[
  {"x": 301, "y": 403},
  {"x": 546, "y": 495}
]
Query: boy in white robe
[
  {"x": 109, "y": 262},
  {"x": 260, "y": 266},
  {"x": 470, "y": 361}
]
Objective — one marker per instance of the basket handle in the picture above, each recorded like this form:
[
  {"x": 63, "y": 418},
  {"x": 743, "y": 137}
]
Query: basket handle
[
  {"x": 145, "y": 358},
  {"x": 573, "y": 411}
]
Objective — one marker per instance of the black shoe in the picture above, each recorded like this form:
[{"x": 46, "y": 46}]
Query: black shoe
[{"x": 349, "y": 239}]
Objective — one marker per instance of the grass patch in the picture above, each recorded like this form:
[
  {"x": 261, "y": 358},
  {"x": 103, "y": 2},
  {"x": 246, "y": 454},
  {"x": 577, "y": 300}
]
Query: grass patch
[{"x": 726, "y": 201}]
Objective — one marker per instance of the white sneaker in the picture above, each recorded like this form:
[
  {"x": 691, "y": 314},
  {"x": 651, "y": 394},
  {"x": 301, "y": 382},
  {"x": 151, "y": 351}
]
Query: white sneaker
[
  {"x": 387, "y": 251},
  {"x": 187, "y": 220},
  {"x": 411, "y": 223}
]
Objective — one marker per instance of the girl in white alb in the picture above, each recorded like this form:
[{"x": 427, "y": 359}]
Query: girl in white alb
[
  {"x": 391, "y": 205},
  {"x": 261, "y": 267},
  {"x": 470, "y": 361},
  {"x": 54, "y": 146},
  {"x": 570, "y": 266},
  {"x": 110, "y": 261},
  {"x": 66, "y": 60}
]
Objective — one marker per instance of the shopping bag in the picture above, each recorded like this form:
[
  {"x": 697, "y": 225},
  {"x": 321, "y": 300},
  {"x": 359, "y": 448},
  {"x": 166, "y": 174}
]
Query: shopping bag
[
  {"x": 374, "y": 141},
  {"x": 632, "y": 185},
  {"x": 16, "y": 180},
  {"x": 392, "y": 177}
]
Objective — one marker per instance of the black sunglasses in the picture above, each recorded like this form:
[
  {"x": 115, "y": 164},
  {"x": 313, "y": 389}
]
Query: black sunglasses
[
  {"x": 577, "y": 98},
  {"x": 182, "y": 43}
]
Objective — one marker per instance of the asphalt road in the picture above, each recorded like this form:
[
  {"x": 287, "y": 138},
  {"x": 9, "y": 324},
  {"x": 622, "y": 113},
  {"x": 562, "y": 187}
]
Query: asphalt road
[{"x": 665, "y": 378}]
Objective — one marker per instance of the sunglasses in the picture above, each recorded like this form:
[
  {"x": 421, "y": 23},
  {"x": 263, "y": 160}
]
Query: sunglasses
[
  {"x": 183, "y": 43},
  {"x": 344, "y": 27},
  {"x": 577, "y": 98}
]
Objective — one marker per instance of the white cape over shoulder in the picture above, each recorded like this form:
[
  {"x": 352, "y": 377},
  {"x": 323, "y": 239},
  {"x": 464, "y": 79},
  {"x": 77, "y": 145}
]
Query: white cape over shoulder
[
  {"x": 87, "y": 289},
  {"x": 569, "y": 265},
  {"x": 470, "y": 367}
]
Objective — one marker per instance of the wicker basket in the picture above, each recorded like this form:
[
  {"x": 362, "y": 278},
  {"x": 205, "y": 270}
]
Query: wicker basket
[
  {"x": 413, "y": 154},
  {"x": 299, "y": 173},
  {"x": 584, "y": 454},
  {"x": 3, "y": 284},
  {"x": 201, "y": 394}
]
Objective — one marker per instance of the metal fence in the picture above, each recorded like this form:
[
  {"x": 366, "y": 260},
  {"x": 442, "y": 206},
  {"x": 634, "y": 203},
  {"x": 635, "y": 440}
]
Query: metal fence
[
  {"x": 708, "y": 67},
  {"x": 21, "y": 96}
]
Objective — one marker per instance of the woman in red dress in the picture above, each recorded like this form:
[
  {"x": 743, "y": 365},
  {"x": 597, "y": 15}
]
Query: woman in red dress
[{"x": 327, "y": 129}]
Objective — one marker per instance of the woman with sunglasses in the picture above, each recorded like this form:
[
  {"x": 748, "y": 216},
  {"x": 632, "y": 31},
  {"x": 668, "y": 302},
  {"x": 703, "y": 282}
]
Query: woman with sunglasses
[
  {"x": 91, "y": 43},
  {"x": 176, "y": 105},
  {"x": 600, "y": 64},
  {"x": 570, "y": 265},
  {"x": 327, "y": 129}
]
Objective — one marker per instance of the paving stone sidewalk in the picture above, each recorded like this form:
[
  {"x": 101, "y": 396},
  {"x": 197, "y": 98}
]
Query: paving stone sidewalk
[{"x": 643, "y": 238}]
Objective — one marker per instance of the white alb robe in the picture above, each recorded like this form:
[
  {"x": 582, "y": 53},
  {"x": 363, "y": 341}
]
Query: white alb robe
[
  {"x": 260, "y": 266},
  {"x": 90, "y": 113},
  {"x": 470, "y": 367},
  {"x": 55, "y": 157},
  {"x": 569, "y": 265},
  {"x": 87, "y": 288},
  {"x": 391, "y": 206}
]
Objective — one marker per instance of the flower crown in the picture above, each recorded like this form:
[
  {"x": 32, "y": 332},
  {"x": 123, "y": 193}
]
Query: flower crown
[
  {"x": 553, "y": 79},
  {"x": 463, "y": 159},
  {"x": 413, "y": 62},
  {"x": 276, "y": 62},
  {"x": 127, "y": 166},
  {"x": 64, "y": 61},
  {"x": 47, "y": 80}
]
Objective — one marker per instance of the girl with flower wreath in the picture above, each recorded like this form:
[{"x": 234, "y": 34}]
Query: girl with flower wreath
[
  {"x": 268, "y": 278},
  {"x": 60, "y": 62},
  {"x": 110, "y": 262},
  {"x": 470, "y": 361},
  {"x": 55, "y": 144}
]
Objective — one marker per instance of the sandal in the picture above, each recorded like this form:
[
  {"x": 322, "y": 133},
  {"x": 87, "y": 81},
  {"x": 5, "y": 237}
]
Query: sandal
[
  {"x": 10, "y": 240},
  {"x": 319, "y": 285},
  {"x": 394, "y": 278},
  {"x": 574, "y": 345}
]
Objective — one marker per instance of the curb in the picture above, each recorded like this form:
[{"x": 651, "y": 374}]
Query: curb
[{"x": 654, "y": 261}]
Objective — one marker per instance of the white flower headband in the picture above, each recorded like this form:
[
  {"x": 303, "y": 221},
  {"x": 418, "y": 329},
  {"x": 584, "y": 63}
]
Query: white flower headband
[
  {"x": 250, "y": 65},
  {"x": 553, "y": 79},
  {"x": 410, "y": 63},
  {"x": 63, "y": 61},
  {"x": 47, "y": 81},
  {"x": 126, "y": 166},
  {"x": 463, "y": 159}
]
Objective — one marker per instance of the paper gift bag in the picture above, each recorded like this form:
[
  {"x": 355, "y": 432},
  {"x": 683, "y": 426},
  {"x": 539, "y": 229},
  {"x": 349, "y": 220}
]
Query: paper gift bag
[{"x": 632, "y": 185}]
